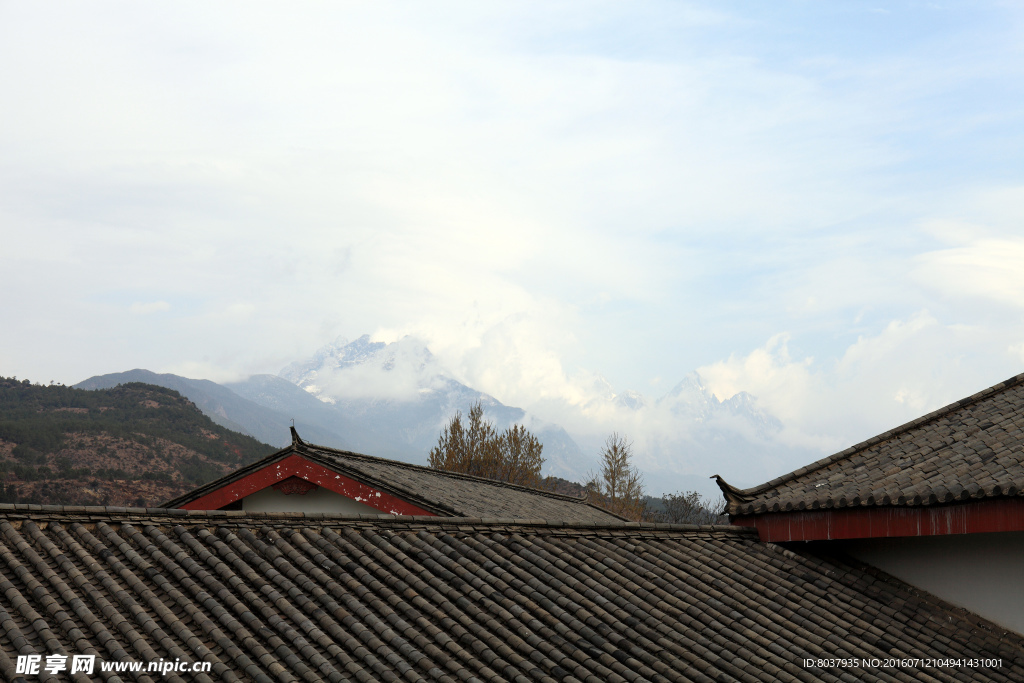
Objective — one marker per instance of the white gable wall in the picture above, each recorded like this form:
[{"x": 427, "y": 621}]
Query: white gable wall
[
  {"x": 318, "y": 500},
  {"x": 983, "y": 573}
]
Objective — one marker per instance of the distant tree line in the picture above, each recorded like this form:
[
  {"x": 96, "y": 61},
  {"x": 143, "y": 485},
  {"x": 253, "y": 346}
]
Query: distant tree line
[{"x": 474, "y": 446}]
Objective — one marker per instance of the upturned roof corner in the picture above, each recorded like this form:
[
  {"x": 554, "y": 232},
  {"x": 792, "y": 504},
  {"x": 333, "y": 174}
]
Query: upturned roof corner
[
  {"x": 296, "y": 439},
  {"x": 733, "y": 495}
]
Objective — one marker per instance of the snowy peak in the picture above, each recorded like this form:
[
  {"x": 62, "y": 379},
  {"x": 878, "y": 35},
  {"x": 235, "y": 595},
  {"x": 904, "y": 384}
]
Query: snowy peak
[
  {"x": 401, "y": 370},
  {"x": 744, "y": 405},
  {"x": 631, "y": 400},
  {"x": 398, "y": 397},
  {"x": 338, "y": 354},
  {"x": 353, "y": 353},
  {"x": 691, "y": 398}
]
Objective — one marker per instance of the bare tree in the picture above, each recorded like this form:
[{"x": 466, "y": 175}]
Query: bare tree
[
  {"x": 476, "y": 448},
  {"x": 519, "y": 459},
  {"x": 619, "y": 487},
  {"x": 689, "y": 507}
]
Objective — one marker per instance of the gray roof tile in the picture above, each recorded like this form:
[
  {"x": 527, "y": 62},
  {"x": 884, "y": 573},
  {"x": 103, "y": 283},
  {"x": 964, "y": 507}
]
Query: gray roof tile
[
  {"x": 971, "y": 449},
  {"x": 313, "y": 597}
]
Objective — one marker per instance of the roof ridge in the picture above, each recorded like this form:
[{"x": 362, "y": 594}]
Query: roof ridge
[
  {"x": 446, "y": 473},
  {"x": 878, "y": 438},
  {"x": 433, "y": 502},
  {"x": 36, "y": 511}
]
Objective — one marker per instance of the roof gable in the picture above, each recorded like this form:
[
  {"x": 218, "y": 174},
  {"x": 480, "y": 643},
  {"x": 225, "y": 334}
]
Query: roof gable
[
  {"x": 430, "y": 491},
  {"x": 294, "y": 466},
  {"x": 972, "y": 449}
]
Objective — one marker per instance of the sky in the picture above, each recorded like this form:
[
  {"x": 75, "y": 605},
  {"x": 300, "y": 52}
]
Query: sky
[{"x": 821, "y": 204}]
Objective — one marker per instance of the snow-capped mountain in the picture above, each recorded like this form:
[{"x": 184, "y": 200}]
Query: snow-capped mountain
[
  {"x": 684, "y": 436},
  {"x": 694, "y": 434},
  {"x": 691, "y": 400},
  {"x": 403, "y": 395},
  {"x": 366, "y": 369},
  {"x": 392, "y": 400},
  {"x": 633, "y": 400},
  {"x": 400, "y": 394}
]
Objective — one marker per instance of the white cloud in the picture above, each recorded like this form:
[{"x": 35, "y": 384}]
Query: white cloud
[
  {"x": 765, "y": 372},
  {"x": 150, "y": 307},
  {"x": 204, "y": 369},
  {"x": 909, "y": 368},
  {"x": 989, "y": 268},
  {"x": 241, "y": 309},
  {"x": 548, "y": 194}
]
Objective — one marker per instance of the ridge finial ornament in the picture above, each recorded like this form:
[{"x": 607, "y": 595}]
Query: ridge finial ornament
[
  {"x": 296, "y": 441},
  {"x": 732, "y": 494}
]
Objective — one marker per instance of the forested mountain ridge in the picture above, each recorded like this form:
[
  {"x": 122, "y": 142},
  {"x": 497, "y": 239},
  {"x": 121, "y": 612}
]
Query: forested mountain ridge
[{"x": 131, "y": 445}]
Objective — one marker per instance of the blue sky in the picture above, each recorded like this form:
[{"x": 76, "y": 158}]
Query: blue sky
[{"x": 818, "y": 203}]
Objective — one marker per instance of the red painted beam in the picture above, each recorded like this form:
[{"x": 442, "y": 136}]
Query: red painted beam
[
  {"x": 997, "y": 514},
  {"x": 297, "y": 466}
]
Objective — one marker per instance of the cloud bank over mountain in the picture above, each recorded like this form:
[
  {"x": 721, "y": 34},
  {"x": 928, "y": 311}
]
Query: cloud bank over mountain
[
  {"x": 680, "y": 438},
  {"x": 393, "y": 399},
  {"x": 572, "y": 205}
]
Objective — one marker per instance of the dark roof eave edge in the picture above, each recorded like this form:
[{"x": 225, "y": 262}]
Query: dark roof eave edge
[
  {"x": 993, "y": 493},
  {"x": 751, "y": 493}
]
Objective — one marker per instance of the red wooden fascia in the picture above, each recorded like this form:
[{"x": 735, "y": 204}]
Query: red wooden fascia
[
  {"x": 297, "y": 466},
  {"x": 997, "y": 514}
]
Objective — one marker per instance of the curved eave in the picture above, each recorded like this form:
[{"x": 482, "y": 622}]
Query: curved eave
[
  {"x": 734, "y": 497},
  {"x": 983, "y": 516}
]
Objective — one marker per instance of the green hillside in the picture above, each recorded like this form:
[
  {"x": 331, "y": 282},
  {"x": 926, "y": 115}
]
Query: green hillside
[{"x": 135, "y": 444}]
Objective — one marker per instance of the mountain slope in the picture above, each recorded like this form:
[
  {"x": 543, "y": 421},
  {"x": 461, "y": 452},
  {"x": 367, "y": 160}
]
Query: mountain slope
[
  {"x": 135, "y": 444},
  {"x": 393, "y": 400},
  {"x": 318, "y": 422},
  {"x": 403, "y": 427},
  {"x": 228, "y": 409}
]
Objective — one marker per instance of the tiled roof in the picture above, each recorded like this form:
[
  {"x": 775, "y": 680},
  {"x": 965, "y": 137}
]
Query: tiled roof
[
  {"x": 446, "y": 493},
  {"x": 969, "y": 450},
  {"x": 296, "y": 597}
]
